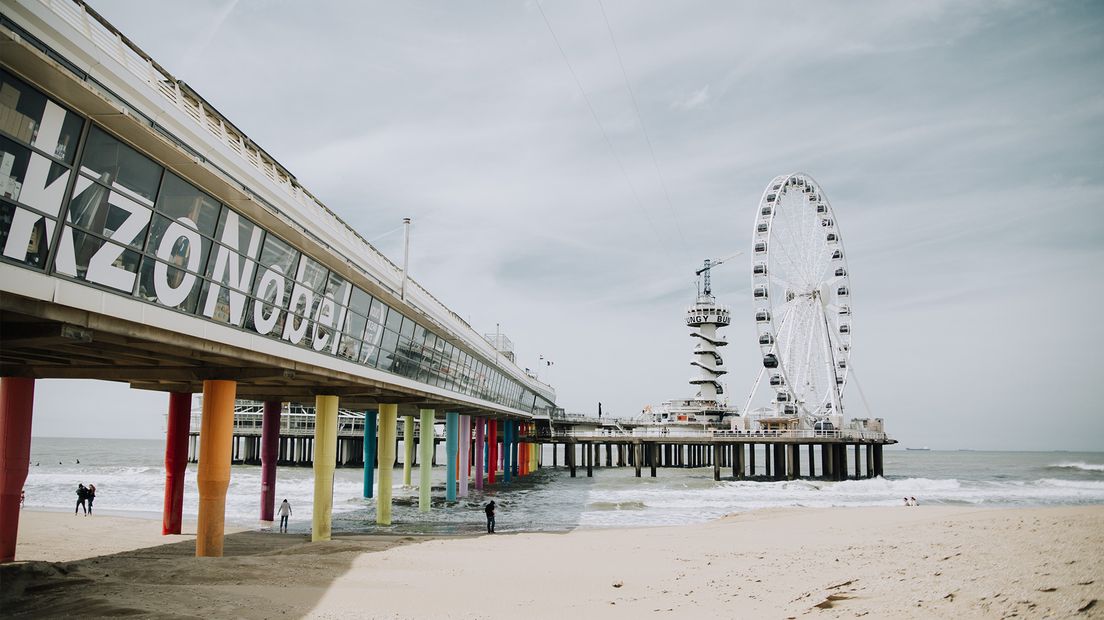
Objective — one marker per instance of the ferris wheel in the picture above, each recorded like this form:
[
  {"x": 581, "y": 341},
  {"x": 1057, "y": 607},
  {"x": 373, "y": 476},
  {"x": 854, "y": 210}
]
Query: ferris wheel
[{"x": 802, "y": 299}]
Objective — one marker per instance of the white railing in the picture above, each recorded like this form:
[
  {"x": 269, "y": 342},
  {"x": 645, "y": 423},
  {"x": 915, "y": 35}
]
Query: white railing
[
  {"x": 108, "y": 39},
  {"x": 675, "y": 432}
]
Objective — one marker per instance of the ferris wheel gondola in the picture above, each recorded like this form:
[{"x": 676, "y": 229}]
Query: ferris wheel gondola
[{"x": 802, "y": 295}]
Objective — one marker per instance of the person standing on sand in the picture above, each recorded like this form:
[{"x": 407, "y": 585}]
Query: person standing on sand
[
  {"x": 82, "y": 497},
  {"x": 91, "y": 495},
  {"x": 284, "y": 512},
  {"x": 490, "y": 509}
]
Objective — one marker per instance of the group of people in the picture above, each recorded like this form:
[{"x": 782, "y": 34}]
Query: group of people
[
  {"x": 85, "y": 497},
  {"x": 911, "y": 501}
]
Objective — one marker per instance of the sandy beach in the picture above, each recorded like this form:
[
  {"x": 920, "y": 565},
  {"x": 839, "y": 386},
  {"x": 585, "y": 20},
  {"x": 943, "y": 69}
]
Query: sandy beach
[{"x": 836, "y": 562}]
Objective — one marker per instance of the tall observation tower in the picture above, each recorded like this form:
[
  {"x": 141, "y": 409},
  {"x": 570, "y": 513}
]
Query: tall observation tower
[{"x": 705, "y": 317}]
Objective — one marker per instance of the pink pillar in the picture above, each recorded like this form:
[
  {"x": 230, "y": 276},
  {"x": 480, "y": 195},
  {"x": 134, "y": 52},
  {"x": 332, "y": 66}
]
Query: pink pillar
[
  {"x": 479, "y": 454},
  {"x": 270, "y": 453},
  {"x": 16, "y": 406},
  {"x": 176, "y": 460},
  {"x": 465, "y": 457}
]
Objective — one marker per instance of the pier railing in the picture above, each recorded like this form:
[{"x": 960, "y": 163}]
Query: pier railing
[{"x": 707, "y": 434}]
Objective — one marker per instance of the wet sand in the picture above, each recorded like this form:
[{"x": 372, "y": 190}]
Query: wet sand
[{"x": 836, "y": 562}]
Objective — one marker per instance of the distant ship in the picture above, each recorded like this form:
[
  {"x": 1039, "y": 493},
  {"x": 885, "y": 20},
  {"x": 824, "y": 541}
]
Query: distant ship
[{"x": 924, "y": 449}]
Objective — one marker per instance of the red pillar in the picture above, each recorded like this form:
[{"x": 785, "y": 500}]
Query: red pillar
[
  {"x": 176, "y": 460},
  {"x": 270, "y": 453},
  {"x": 16, "y": 405},
  {"x": 492, "y": 449}
]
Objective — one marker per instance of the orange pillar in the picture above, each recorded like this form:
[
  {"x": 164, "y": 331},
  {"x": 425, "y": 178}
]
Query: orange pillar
[
  {"x": 216, "y": 434},
  {"x": 16, "y": 405}
]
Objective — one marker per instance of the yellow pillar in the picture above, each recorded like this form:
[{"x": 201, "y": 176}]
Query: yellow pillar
[
  {"x": 408, "y": 448},
  {"x": 388, "y": 416},
  {"x": 216, "y": 434},
  {"x": 325, "y": 460},
  {"x": 426, "y": 454}
]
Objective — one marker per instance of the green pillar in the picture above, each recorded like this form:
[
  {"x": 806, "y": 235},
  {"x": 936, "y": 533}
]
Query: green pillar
[
  {"x": 425, "y": 446},
  {"x": 452, "y": 440},
  {"x": 408, "y": 448}
]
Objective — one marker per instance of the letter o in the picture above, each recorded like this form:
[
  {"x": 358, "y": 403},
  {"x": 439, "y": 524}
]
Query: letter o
[
  {"x": 167, "y": 294},
  {"x": 273, "y": 276}
]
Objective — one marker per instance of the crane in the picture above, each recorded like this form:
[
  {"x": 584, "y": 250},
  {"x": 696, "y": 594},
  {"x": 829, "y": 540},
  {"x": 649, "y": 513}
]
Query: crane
[{"x": 708, "y": 265}]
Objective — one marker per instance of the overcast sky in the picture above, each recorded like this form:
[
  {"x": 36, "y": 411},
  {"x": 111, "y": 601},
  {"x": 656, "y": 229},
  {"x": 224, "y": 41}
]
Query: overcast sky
[{"x": 960, "y": 145}]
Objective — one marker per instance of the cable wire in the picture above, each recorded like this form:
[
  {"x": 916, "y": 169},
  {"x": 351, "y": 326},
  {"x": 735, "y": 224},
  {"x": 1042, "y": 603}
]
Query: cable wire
[
  {"x": 643, "y": 127},
  {"x": 605, "y": 136}
]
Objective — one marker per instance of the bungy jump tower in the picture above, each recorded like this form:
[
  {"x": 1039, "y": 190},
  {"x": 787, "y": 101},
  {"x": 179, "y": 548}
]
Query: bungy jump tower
[{"x": 704, "y": 318}]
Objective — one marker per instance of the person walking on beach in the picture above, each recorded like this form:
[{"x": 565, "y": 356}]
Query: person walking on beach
[
  {"x": 284, "y": 512},
  {"x": 489, "y": 509},
  {"x": 913, "y": 502},
  {"x": 82, "y": 497},
  {"x": 90, "y": 493}
]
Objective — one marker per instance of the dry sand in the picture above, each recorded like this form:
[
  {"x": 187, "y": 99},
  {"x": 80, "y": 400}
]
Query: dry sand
[{"x": 820, "y": 563}]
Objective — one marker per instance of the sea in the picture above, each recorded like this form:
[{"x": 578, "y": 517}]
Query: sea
[{"x": 129, "y": 476}]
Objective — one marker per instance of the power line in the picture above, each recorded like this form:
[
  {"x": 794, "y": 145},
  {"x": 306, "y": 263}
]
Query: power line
[
  {"x": 643, "y": 127},
  {"x": 605, "y": 136}
]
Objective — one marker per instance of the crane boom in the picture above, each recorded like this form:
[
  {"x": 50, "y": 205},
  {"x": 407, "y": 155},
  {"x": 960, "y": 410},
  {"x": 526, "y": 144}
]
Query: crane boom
[{"x": 707, "y": 266}]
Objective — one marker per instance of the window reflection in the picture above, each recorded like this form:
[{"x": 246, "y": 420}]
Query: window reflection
[{"x": 115, "y": 164}]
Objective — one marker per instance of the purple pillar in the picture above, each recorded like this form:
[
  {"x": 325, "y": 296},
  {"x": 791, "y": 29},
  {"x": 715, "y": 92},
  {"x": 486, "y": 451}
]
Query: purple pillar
[
  {"x": 176, "y": 460},
  {"x": 270, "y": 453},
  {"x": 479, "y": 454}
]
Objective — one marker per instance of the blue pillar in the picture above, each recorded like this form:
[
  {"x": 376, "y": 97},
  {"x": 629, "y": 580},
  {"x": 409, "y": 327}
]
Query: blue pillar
[
  {"x": 515, "y": 453},
  {"x": 452, "y": 440},
  {"x": 369, "y": 452},
  {"x": 507, "y": 442}
]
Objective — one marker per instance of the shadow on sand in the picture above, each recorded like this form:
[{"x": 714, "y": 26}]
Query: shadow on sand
[{"x": 261, "y": 574}]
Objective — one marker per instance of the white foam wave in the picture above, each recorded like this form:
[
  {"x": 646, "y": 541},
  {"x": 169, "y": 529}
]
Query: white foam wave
[{"x": 1078, "y": 465}]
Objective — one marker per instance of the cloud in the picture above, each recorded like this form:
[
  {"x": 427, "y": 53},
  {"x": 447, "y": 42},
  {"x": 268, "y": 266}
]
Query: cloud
[{"x": 694, "y": 100}]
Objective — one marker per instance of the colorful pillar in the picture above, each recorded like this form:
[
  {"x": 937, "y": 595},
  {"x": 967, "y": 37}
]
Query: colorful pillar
[
  {"x": 408, "y": 448},
  {"x": 507, "y": 450},
  {"x": 388, "y": 415},
  {"x": 325, "y": 461},
  {"x": 16, "y": 407},
  {"x": 270, "y": 453},
  {"x": 176, "y": 460},
  {"x": 452, "y": 435},
  {"x": 465, "y": 453},
  {"x": 425, "y": 447},
  {"x": 369, "y": 452},
  {"x": 479, "y": 453},
  {"x": 492, "y": 450},
  {"x": 216, "y": 434}
]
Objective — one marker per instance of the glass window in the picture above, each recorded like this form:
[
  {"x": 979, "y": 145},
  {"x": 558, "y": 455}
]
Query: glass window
[
  {"x": 105, "y": 263},
  {"x": 117, "y": 165},
  {"x": 179, "y": 199},
  {"x": 387, "y": 350},
  {"x": 246, "y": 230},
  {"x": 181, "y": 246},
  {"x": 31, "y": 118},
  {"x": 394, "y": 319},
  {"x": 169, "y": 285},
  {"x": 108, "y": 213},
  {"x": 30, "y": 178},
  {"x": 373, "y": 334},
  {"x": 31, "y": 239},
  {"x": 407, "y": 329}
]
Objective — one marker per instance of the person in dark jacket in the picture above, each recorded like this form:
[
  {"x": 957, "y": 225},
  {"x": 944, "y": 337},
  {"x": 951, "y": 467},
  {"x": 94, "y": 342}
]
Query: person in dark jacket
[
  {"x": 82, "y": 497},
  {"x": 490, "y": 509}
]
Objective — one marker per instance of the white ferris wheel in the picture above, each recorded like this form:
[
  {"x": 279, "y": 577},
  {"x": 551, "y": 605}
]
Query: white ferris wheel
[{"x": 802, "y": 299}]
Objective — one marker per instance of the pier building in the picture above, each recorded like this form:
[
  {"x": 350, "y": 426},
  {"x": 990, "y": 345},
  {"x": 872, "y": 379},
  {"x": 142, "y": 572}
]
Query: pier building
[{"x": 144, "y": 238}]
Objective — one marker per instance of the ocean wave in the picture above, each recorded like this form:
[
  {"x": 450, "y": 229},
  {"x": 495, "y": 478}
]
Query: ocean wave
[
  {"x": 632, "y": 505},
  {"x": 1078, "y": 465}
]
